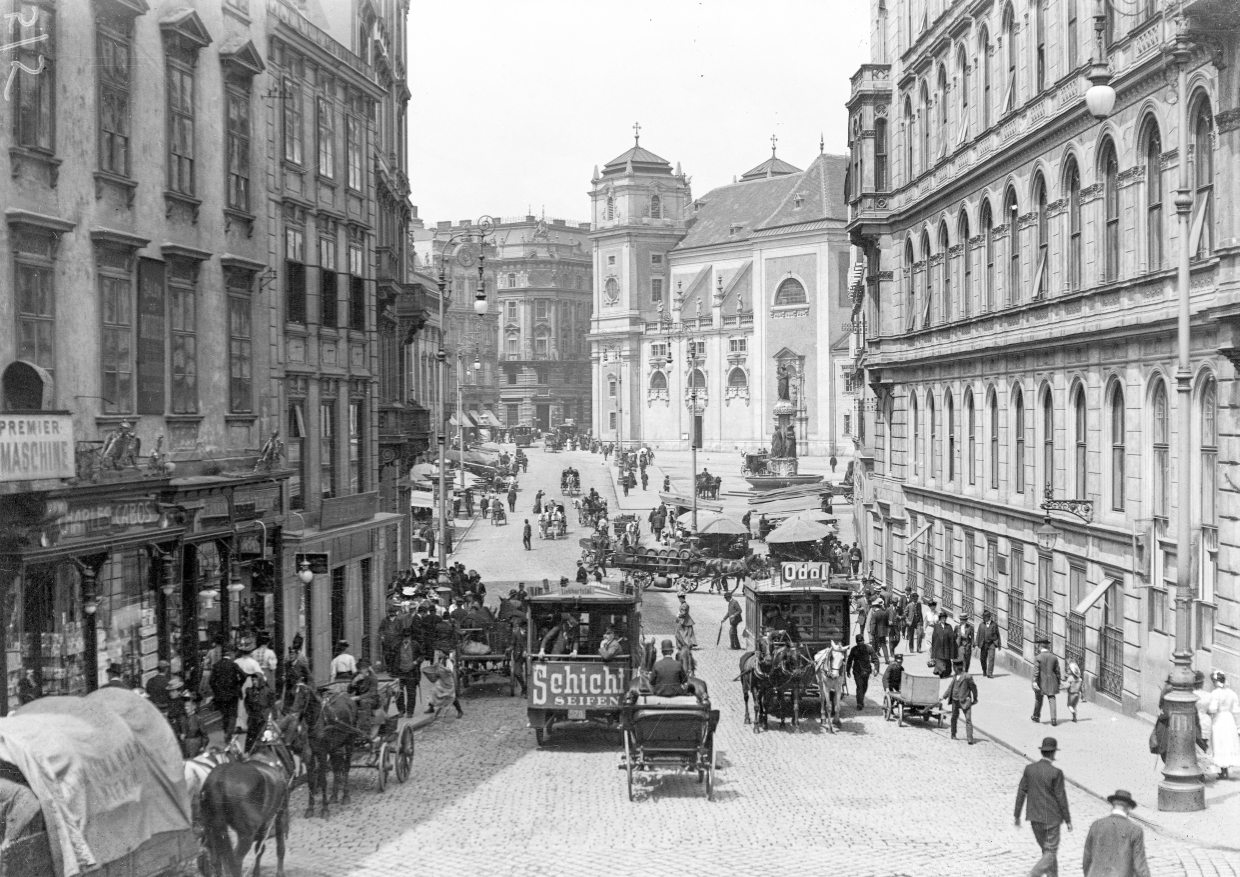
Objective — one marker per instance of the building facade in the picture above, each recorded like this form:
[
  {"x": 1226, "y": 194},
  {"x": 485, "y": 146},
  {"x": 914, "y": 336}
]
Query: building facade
[
  {"x": 1016, "y": 309},
  {"x": 699, "y": 302}
]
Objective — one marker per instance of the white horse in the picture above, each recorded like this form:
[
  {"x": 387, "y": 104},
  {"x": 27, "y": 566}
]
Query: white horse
[{"x": 829, "y": 667}]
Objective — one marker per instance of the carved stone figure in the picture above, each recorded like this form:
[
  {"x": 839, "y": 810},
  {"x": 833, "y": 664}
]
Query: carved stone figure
[
  {"x": 790, "y": 441},
  {"x": 784, "y": 375},
  {"x": 777, "y": 443}
]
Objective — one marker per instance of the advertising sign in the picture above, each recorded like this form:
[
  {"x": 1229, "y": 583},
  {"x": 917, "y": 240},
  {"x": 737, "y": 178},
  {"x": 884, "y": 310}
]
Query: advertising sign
[
  {"x": 577, "y": 686},
  {"x": 97, "y": 518},
  {"x": 804, "y": 573},
  {"x": 34, "y": 446}
]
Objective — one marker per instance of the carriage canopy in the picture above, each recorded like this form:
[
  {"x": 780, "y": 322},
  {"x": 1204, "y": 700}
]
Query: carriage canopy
[{"x": 821, "y": 612}]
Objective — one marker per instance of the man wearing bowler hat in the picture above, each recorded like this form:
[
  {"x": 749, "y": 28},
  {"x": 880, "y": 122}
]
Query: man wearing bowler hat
[
  {"x": 1042, "y": 785},
  {"x": 988, "y": 642},
  {"x": 1115, "y": 845},
  {"x": 1046, "y": 678}
]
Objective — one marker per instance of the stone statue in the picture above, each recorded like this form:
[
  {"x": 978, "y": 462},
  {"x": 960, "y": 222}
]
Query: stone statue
[
  {"x": 777, "y": 443},
  {"x": 790, "y": 441},
  {"x": 784, "y": 375}
]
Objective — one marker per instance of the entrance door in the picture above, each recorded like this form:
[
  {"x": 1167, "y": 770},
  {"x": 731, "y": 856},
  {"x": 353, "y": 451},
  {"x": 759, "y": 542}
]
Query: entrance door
[
  {"x": 697, "y": 431},
  {"x": 543, "y": 413}
]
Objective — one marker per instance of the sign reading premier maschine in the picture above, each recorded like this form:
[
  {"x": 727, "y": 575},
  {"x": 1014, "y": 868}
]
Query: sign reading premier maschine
[{"x": 36, "y": 446}]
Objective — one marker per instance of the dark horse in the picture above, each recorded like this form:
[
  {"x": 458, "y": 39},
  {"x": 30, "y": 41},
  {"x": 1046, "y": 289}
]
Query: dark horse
[
  {"x": 331, "y": 733},
  {"x": 249, "y": 797},
  {"x": 770, "y": 670}
]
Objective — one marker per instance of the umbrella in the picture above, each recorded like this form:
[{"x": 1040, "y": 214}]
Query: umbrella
[
  {"x": 423, "y": 471},
  {"x": 798, "y": 531},
  {"x": 704, "y": 515},
  {"x": 811, "y": 515},
  {"x": 720, "y": 525}
]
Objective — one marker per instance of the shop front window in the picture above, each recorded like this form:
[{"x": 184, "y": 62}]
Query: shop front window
[
  {"x": 126, "y": 621},
  {"x": 44, "y": 636}
]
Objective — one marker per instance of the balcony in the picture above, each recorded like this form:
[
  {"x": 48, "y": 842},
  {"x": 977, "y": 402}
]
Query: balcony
[
  {"x": 387, "y": 265},
  {"x": 871, "y": 79}
]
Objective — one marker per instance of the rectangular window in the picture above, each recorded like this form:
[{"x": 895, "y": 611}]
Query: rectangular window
[
  {"x": 738, "y": 345},
  {"x": 116, "y": 297},
  {"x": 238, "y": 148},
  {"x": 32, "y": 36},
  {"x": 327, "y": 449},
  {"x": 656, "y": 258},
  {"x": 511, "y": 307},
  {"x": 1044, "y": 610},
  {"x": 295, "y": 446},
  {"x": 656, "y": 289},
  {"x": 658, "y": 351},
  {"x": 611, "y": 389},
  {"x": 968, "y": 590},
  {"x": 183, "y": 324},
  {"x": 326, "y": 118},
  {"x": 180, "y": 128},
  {"x": 512, "y": 413},
  {"x": 512, "y": 380},
  {"x": 329, "y": 304},
  {"x": 1016, "y": 599},
  {"x": 1019, "y": 463},
  {"x": 357, "y": 293},
  {"x": 294, "y": 110},
  {"x": 357, "y": 446},
  {"x": 1073, "y": 41},
  {"x": 295, "y": 275},
  {"x": 353, "y": 152},
  {"x": 36, "y": 298},
  {"x": 240, "y": 343},
  {"x": 113, "y": 70},
  {"x": 611, "y": 420},
  {"x": 540, "y": 309}
]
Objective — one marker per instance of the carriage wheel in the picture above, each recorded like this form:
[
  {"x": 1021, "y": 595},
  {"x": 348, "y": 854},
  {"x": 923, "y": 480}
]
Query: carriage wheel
[
  {"x": 710, "y": 771},
  {"x": 796, "y": 709},
  {"x": 404, "y": 758},
  {"x": 385, "y": 764},
  {"x": 900, "y": 714},
  {"x": 628, "y": 764},
  {"x": 887, "y": 708}
]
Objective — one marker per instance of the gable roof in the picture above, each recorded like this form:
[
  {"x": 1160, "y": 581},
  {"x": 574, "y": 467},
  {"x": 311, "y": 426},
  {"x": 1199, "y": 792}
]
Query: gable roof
[{"x": 821, "y": 191}]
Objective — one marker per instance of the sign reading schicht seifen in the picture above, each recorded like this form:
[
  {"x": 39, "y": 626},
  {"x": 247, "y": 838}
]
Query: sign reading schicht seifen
[
  {"x": 577, "y": 686},
  {"x": 35, "y": 446},
  {"x": 804, "y": 572}
]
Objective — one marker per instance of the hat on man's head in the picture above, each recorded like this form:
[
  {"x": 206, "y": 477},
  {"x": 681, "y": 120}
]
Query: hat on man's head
[
  {"x": 1041, "y": 641},
  {"x": 163, "y": 665},
  {"x": 942, "y": 613},
  {"x": 899, "y": 657},
  {"x": 666, "y": 647},
  {"x": 958, "y": 663},
  {"x": 115, "y": 669},
  {"x": 986, "y": 613},
  {"x": 342, "y": 643},
  {"x": 175, "y": 684},
  {"x": 1049, "y": 744},
  {"x": 1122, "y": 796}
]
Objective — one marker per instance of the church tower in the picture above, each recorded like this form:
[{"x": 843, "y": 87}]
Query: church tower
[{"x": 639, "y": 212}]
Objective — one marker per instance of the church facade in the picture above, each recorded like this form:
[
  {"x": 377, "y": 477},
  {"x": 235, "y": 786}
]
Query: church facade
[{"x": 698, "y": 303}]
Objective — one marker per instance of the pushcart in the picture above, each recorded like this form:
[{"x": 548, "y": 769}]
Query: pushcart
[{"x": 918, "y": 696}]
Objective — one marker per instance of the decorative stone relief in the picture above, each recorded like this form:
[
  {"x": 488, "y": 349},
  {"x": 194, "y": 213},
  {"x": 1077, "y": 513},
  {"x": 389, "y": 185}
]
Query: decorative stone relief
[
  {"x": 731, "y": 393},
  {"x": 789, "y": 313},
  {"x": 297, "y": 349},
  {"x": 660, "y": 395}
]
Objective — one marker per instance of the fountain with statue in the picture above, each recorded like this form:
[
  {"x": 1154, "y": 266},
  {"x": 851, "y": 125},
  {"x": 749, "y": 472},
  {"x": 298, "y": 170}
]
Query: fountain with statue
[{"x": 781, "y": 465}]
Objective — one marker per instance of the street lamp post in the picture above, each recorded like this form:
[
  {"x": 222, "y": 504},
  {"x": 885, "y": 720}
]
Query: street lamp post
[
  {"x": 463, "y": 255},
  {"x": 1182, "y": 788},
  {"x": 690, "y": 360}
]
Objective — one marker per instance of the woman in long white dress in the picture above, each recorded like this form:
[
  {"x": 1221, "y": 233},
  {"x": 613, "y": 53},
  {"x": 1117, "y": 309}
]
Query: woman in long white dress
[{"x": 1224, "y": 707}]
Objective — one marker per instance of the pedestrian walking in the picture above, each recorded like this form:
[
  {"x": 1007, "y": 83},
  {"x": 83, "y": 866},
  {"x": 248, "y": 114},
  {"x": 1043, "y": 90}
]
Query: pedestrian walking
[
  {"x": 686, "y": 638},
  {"x": 1115, "y": 845},
  {"x": 1046, "y": 679},
  {"x": 854, "y": 559},
  {"x": 1074, "y": 683},
  {"x": 914, "y": 625},
  {"x": 965, "y": 634},
  {"x": 625, "y": 478},
  {"x": 988, "y": 643},
  {"x": 961, "y": 695},
  {"x": 878, "y": 630},
  {"x": 1042, "y": 786},
  {"x": 512, "y": 499},
  {"x": 733, "y": 618},
  {"x": 861, "y": 664},
  {"x": 1223, "y": 709},
  {"x": 894, "y": 625},
  {"x": 667, "y": 484},
  {"x": 645, "y": 478},
  {"x": 226, "y": 682},
  {"x": 942, "y": 646},
  {"x": 526, "y": 533}
]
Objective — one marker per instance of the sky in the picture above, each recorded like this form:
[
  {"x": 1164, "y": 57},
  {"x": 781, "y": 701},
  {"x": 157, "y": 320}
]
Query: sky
[{"x": 514, "y": 103}]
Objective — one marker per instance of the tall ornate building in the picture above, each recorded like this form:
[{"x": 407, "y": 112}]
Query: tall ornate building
[
  {"x": 700, "y": 301},
  {"x": 1017, "y": 320}
]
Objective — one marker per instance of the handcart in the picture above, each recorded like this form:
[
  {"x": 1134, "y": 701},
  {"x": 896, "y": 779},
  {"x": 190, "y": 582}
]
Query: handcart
[{"x": 919, "y": 696}]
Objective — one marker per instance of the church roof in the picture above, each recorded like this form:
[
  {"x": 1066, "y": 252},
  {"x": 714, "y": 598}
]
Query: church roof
[
  {"x": 772, "y": 167},
  {"x": 643, "y": 160}
]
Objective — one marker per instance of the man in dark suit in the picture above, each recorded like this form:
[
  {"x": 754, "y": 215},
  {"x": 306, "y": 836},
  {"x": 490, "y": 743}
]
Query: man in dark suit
[
  {"x": 964, "y": 640},
  {"x": 116, "y": 677},
  {"x": 862, "y": 661},
  {"x": 962, "y": 694},
  {"x": 1042, "y": 785},
  {"x": 1046, "y": 678},
  {"x": 988, "y": 642},
  {"x": 668, "y": 676},
  {"x": 1115, "y": 845},
  {"x": 733, "y": 618}
]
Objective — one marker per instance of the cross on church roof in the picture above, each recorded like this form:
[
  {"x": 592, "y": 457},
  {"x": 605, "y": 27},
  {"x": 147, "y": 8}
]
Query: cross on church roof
[
  {"x": 637, "y": 133},
  {"x": 774, "y": 139}
]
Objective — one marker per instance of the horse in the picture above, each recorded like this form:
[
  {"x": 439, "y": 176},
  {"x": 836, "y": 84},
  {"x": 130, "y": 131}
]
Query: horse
[
  {"x": 331, "y": 732},
  {"x": 720, "y": 569},
  {"x": 767, "y": 671},
  {"x": 249, "y": 797},
  {"x": 829, "y": 665}
]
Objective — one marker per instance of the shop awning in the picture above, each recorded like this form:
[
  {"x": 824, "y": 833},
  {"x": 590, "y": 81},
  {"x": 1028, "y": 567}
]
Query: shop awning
[
  {"x": 1093, "y": 597},
  {"x": 489, "y": 419},
  {"x": 470, "y": 423},
  {"x": 421, "y": 499}
]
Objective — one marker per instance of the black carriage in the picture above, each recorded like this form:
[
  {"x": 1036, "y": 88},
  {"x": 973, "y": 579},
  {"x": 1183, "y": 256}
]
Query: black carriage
[
  {"x": 492, "y": 650},
  {"x": 666, "y": 734},
  {"x": 800, "y": 601},
  {"x": 523, "y": 436},
  {"x": 755, "y": 464},
  {"x": 391, "y": 750},
  {"x": 580, "y": 685}
]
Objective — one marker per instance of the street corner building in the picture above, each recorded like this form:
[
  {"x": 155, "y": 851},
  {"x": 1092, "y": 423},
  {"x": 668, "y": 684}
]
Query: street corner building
[
  {"x": 698, "y": 303},
  {"x": 1015, "y": 324},
  {"x": 203, "y": 237}
]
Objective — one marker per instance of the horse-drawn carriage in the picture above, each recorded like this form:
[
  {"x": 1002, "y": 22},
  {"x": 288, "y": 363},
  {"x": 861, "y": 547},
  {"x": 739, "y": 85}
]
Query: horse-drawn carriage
[
  {"x": 572, "y": 681},
  {"x": 388, "y": 749},
  {"x": 671, "y": 734},
  {"x": 708, "y": 485},
  {"x": 800, "y": 611},
  {"x": 680, "y": 567},
  {"x": 570, "y": 481},
  {"x": 494, "y": 649},
  {"x": 590, "y": 510},
  {"x": 755, "y": 464},
  {"x": 523, "y": 436},
  {"x": 101, "y": 785}
]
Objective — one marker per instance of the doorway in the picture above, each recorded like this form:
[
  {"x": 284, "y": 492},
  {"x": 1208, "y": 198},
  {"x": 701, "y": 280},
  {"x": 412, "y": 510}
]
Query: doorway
[
  {"x": 543, "y": 414},
  {"x": 338, "y": 603}
]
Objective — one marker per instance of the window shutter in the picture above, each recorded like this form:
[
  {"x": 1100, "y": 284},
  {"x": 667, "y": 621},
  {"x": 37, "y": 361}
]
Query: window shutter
[
  {"x": 1039, "y": 283},
  {"x": 1194, "y": 239},
  {"x": 964, "y": 132}
]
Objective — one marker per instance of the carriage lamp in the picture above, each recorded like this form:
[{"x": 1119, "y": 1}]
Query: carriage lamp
[
  {"x": 305, "y": 573},
  {"x": 1048, "y": 533},
  {"x": 168, "y": 588}
]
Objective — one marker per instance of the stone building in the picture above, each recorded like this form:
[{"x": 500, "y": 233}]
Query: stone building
[
  {"x": 1016, "y": 309},
  {"x": 698, "y": 302}
]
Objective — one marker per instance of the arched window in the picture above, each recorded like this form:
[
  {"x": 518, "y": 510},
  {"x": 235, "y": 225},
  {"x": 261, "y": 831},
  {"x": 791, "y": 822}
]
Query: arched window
[
  {"x": 1072, "y": 191},
  {"x": 992, "y": 402},
  {"x": 880, "y": 155},
  {"x": 1011, "y": 215},
  {"x": 1203, "y": 179},
  {"x": 1161, "y": 456},
  {"x": 656, "y": 207},
  {"x": 932, "y": 420},
  {"x": 738, "y": 378},
  {"x": 949, "y": 427},
  {"x": 966, "y": 266},
  {"x": 910, "y": 141},
  {"x": 1042, "y": 272},
  {"x": 1009, "y": 60},
  {"x": 970, "y": 415},
  {"x": 1072, "y": 37},
  {"x": 987, "y": 222},
  {"x": 910, "y": 287},
  {"x": 1108, "y": 168},
  {"x": 983, "y": 69},
  {"x": 1079, "y": 446},
  {"x": 611, "y": 207},
  {"x": 1018, "y": 461},
  {"x": 1048, "y": 440},
  {"x": 962, "y": 71},
  {"x": 1118, "y": 454},
  {"x": 1041, "y": 63},
  {"x": 927, "y": 304},
  {"x": 790, "y": 292},
  {"x": 697, "y": 380},
  {"x": 927, "y": 157},
  {"x": 1153, "y": 197},
  {"x": 944, "y": 125},
  {"x": 915, "y": 425},
  {"x": 658, "y": 380},
  {"x": 945, "y": 273}
]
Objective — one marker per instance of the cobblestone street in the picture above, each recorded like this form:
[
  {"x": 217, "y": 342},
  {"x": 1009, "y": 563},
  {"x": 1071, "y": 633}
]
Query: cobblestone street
[{"x": 876, "y": 799}]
